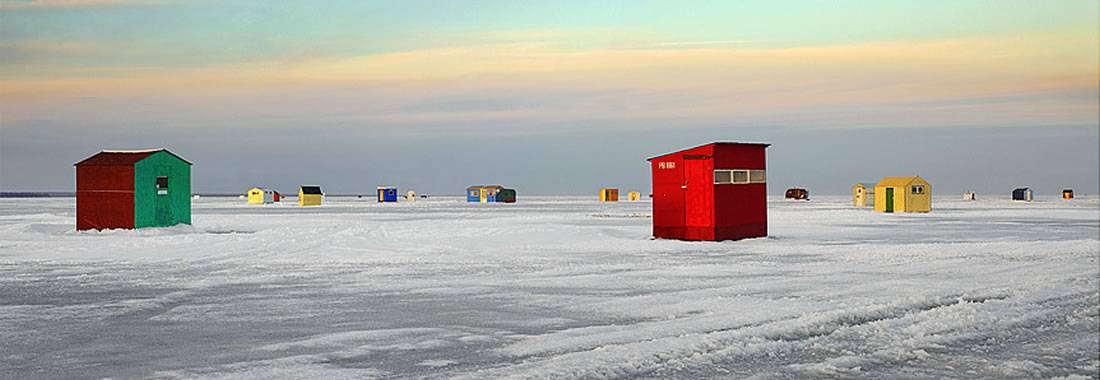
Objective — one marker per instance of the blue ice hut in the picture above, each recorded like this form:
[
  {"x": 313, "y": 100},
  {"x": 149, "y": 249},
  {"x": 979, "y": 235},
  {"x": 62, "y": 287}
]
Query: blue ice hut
[{"x": 387, "y": 194}]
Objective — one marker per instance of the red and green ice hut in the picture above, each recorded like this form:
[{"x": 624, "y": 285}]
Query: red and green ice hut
[{"x": 132, "y": 189}]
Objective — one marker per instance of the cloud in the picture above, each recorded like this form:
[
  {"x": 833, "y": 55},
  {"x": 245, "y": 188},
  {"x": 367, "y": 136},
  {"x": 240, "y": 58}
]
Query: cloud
[
  {"x": 983, "y": 81},
  {"x": 11, "y": 5},
  {"x": 705, "y": 43},
  {"x": 34, "y": 52}
]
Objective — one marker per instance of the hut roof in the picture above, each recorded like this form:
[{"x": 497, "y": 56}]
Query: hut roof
[
  {"x": 897, "y": 181},
  {"x": 123, "y": 157},
  {"x": 311, "y": 190},
  {"x": 710, "y": 143}
]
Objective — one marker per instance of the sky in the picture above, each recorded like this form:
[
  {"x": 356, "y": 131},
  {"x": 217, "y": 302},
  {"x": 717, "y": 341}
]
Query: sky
[{"x": 558, "y": 97}]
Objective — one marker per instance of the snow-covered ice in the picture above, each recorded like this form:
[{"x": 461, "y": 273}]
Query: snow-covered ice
[{"x": 552, "y": 287}]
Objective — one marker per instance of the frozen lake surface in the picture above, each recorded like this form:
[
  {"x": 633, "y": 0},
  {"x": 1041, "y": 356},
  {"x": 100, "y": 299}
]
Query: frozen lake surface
[{"x": 554, "y": 288}]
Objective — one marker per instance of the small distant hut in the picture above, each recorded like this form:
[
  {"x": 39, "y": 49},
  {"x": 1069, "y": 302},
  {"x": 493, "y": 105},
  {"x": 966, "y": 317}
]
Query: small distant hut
[
  {"x": 609, "y": 195},
  {"x": 969, "y": 196},
  {"x": 277, "y": 197},
  {"x": 260, "y": 195},
  {"x": 863, "y": 196},
  {"x": 132, "y": 189},
  {"x": 387, "y": 194},
  {"x": 473, "y": 193},
  {"x": 410, "y": 196},
  {"x": 309, "y": 195},
  {"x": 482, "y": 193},
  {"x": 633, "y": 196},
  {"x": 1023, "y": 194},
  {"x": 506, "y": 195},
  {"x": 903, "y": 194},
  {"x": 1067, "y": 194},
  {"x": 797, "y": 193}
]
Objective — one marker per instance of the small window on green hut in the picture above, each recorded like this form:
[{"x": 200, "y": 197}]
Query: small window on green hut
[
  {"x": 162, "y": 185},
  {"x": 918, "y": 189}
]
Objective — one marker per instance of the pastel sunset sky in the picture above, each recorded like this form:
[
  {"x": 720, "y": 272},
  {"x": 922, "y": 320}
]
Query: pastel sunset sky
[{"x": 550, "y": 96}]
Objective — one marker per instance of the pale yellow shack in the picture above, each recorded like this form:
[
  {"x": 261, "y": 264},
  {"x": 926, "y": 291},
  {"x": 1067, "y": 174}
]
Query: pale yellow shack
[{"x": 862, "y": 196}]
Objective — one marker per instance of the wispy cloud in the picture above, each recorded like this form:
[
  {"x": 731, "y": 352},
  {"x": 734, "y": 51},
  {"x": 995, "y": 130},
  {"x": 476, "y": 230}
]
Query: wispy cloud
[
  {"x": 9, "y": 5},
  {"x": 705, "y": 43},
  {"x": 943, "y": 82},
  {"x": 41, "y": 51}
]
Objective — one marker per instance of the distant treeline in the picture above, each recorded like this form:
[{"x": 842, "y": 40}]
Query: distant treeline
[
  {"x": 61, "y": 194},
  {"x": 29, "y": 194}
]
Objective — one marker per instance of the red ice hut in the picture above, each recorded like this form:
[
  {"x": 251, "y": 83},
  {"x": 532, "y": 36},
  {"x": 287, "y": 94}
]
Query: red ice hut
[{"x": 716, "y": 191}]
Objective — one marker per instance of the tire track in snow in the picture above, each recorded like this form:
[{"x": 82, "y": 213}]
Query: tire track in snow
[{"x": 645, "y": 356}]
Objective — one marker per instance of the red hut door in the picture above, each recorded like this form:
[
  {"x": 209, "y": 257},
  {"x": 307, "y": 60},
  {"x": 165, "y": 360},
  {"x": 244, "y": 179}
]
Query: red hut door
[{"x": 697, "y": 211}]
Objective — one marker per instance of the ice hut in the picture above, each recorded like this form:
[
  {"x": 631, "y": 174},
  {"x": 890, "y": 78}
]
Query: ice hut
[
  {"x": 310, "y": 195},
  {"x": 506, "y": 195},
  {"x": 903, "y": 194},
  {"x": 387, "y": 194},
  {"x": 609, "y": 195},
  {"x": 1067, "y": 194},
  {"x": 969, "y": 196},
  {"x": 260, "y": 195},
  {"x": 473, "y": 193},
  {"x": 797, "y": 193},
  {"x": 1023, "y": 194},
  {"x": 716, "y": 191},
  {"x": 410, "y": 196},
  {"x": 482, "y": 193},
  {"x": 862, "y": 196},
  {"x": 132, "y": 189},
  {"x": 633, "y": 196}
]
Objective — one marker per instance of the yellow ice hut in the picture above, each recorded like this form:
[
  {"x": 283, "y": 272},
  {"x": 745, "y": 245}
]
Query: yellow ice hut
[
  {"x": 259, "y": 195},
  {"x": 633, "y": 196},
  {"x": 903, "y": 194},
  {"x": 309, "y": 195}
]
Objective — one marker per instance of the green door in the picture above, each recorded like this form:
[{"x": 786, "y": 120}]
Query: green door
[
  {"x": 889, "y": 199},
  {"x": 163, "y": 200}
]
